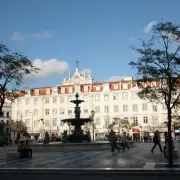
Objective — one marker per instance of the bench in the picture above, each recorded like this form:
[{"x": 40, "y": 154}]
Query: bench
[{"x": 175, "y": 154}]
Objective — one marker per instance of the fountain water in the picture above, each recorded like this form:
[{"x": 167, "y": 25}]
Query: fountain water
[{"x": 77, "y": 135}]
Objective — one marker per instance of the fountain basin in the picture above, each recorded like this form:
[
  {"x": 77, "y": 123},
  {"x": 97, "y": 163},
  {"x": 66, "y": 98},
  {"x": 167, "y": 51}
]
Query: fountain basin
[{"x": 80, "y": 121}]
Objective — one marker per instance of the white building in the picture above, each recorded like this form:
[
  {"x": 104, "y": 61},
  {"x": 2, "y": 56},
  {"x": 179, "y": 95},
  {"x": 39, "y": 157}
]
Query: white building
[
  {"x": 6, "y": 117},
  {"x": 43, "y": 108}
]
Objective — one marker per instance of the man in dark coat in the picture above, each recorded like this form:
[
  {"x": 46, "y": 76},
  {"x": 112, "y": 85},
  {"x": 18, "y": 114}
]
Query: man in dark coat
[
  {"x": 113, "y": 140},
  {"x": 156, "y": 141}
]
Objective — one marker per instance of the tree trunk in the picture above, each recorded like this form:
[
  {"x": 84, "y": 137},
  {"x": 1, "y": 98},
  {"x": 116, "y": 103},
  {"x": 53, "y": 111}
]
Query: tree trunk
[{"x": 170, "y": 148}]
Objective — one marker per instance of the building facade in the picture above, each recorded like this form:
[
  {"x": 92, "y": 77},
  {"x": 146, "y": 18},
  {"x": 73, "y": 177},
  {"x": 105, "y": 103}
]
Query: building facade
[
  {"x": 6, "y": 117},
  {"x": 43, "y": 108}
]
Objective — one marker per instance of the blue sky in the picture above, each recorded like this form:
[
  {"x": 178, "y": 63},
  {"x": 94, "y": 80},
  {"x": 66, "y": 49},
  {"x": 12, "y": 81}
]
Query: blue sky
[{"x": 97, "y": 33}]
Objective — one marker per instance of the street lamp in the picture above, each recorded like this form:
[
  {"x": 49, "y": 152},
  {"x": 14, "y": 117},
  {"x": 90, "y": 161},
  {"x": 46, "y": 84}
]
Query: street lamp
[
  {"x": 31, "y": 122},
  {"x": 92, "y": 117}
]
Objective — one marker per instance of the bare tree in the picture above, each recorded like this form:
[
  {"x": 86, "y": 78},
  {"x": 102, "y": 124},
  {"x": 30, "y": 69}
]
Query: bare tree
[
  {"x": 159, "y": 64},
  {"x": 13, "y": 68}
]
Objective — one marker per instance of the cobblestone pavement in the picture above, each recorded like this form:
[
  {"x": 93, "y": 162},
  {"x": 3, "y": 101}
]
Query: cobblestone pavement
[{"x": 136, "y": 157}]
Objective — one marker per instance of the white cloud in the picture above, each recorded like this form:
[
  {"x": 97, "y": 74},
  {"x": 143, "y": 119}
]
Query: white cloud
[
  {"x": 48, "y": 68},
  {"x": 149, "y": 26},
  {"x": 115, "y": 78},
  {"x": 17, "y": 36},
  {"x": 41, "y": 35}
]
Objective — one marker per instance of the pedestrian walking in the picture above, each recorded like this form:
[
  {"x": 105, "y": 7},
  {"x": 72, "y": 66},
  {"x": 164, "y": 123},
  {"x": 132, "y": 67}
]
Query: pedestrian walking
[
  {"x": 113, "y": 140},
  {"x": 125, "y": 141},
  {"x": 156, "y": 141}
]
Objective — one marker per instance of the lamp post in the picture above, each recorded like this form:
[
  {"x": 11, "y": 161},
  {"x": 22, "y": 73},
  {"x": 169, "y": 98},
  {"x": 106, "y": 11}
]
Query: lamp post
[
  {"x": 92, "y": 117},
  {"x": 32, "y": 122}
]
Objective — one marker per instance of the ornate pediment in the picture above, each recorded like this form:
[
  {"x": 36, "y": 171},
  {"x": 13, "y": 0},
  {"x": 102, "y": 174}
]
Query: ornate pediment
[{"x": 78, "y": 78}]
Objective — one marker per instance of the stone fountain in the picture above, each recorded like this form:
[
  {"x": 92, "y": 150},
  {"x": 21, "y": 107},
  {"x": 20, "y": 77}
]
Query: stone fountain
[{"x": 77, "y": 134}]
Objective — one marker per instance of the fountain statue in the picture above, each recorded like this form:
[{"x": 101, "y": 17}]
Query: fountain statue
[{"x": 77, "y": 134}]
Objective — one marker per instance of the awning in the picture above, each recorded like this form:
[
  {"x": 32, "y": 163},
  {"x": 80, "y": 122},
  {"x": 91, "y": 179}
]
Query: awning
[{"x": 135, "y": 130}]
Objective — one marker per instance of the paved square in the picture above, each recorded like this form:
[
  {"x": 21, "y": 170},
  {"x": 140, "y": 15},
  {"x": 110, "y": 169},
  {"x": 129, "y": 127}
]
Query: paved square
[{"x": 136, "y": 157}]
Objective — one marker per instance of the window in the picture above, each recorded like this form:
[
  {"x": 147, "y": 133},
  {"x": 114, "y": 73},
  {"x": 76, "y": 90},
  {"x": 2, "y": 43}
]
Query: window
[
  {"x": 46, "y": 123},
  {"x": 85, "y": 110},
  {"x": 61, "y": 123},
  {"x": 70, "y": 111},
  {"x": 36, "y": 92},
  {"x": 27, "y": 101},
  {"x": 135, "y": 120},
  {"x": 115, "y": 96},
  {"x": 144, "y": 107},
  {"x": 97, "y": 109},
  {"x": 61, "y": 99},
  {"x": 135, "y": 108},
  {"x": 124, "y": 96},
  {"x": 106, "y": 97},
  {"x": 106, "y": 121},
  {"x": 54, "y": 122},
  {"x": 48, "y": 91},
  {"x": 7, "y": 114},
  {"x": 70, "y": 89},
  {"x": 62, "y": 111},
  {"x": 155, "y": 108},
  {"x": 54, "y": 90},
  {"x": 36, "y": 112},
  {"x": 35, "y": 123},
  {"x": 134, "y": 95},
  {"x": 115, "y": 86},
  {"x": 145, "y": 119},
  {"x": 47, "y": 100},
  {"x": 69, "y": 98},
  {"x": 97, "y": 121},
  {"x": 27, "y": 122},
  {"x": 63, "y": 90},
  {"x": 27, "y": 91},
  {"x": 54, "y": 100},
  {"x": 54, "y": 111},
  {"x": 125, "y": 86},
  {"x": 85, "y": 98},
  {"x": 164, "y": 107},
  {"x": 26, "y": 113},
  {"x": 98, "y": 88},
  {"x": 125, "y": 108},
  {"x": 85, "y": 88},
  {"x": 106, "y": 109},
  {"x": 46, "y": 112},
  {"x": 18, "y": 102},
  {"x": 97, "y": 97},
  {"x": 18, "y": 113},
  {"x": 116, "y": 108},
  {"x": 174, "y": 93},
  {"x": 36, "y": 101}
]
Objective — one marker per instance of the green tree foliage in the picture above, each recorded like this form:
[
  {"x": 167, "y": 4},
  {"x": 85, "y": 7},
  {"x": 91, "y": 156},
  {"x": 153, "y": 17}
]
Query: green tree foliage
[
  {"x": 159, "y": 60},
  {"x": 13, "y": 68},
  {"x": 122, "y": 123},
  {"x": 18, "y": 127}
]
